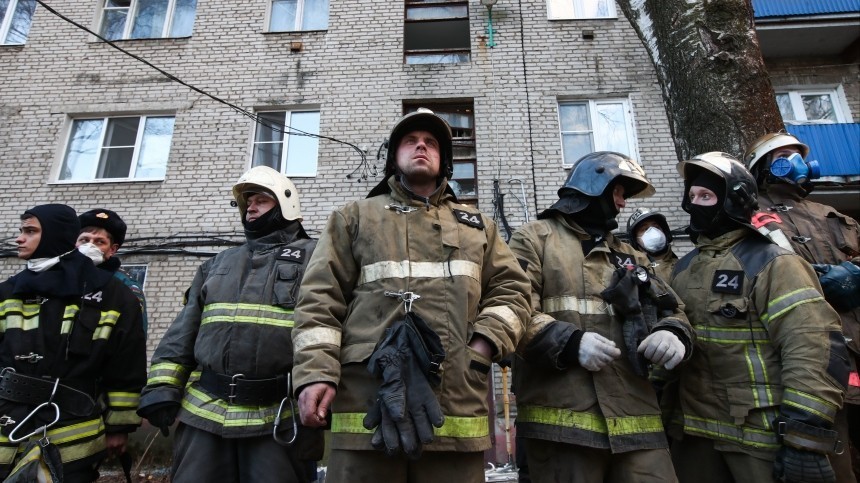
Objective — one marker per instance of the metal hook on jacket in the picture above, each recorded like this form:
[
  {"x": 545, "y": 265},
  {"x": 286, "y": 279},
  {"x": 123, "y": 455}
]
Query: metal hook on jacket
[
  {"x": 292, "y": 416},
  {"x": 43, "y": 429},
  {"x": 406, "y": 297}
]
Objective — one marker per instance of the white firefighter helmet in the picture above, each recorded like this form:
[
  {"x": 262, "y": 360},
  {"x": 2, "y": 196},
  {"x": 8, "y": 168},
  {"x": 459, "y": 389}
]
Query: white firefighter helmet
[
  {"x": 264, "y": 178},
  {"x": 759, "y": 148}
]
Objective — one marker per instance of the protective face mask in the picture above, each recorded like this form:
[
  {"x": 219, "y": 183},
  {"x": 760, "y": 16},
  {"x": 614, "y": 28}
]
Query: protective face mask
[
  {"x": 41, "y": 264},
  {"x": 653, "y": 240},
  {"x": 795, "y": 170},
  {"x": 92, "y": 252}
]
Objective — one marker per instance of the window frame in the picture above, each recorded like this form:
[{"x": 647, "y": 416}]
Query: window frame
[
  {"x": 795, "y": 98},
  {"x": 131, "y": 16},
  {"x": 442, "y": 52},
  {"x": 132, "y": 269},
  {"x": 138, "y": 146},
  {"x": 573, "y": 8},
  {"x": 282, "y": 162},
  {"x": 300, "y": 10},
  {"x": 629, "y": 123},
  {"x": 8, "y": 17}
]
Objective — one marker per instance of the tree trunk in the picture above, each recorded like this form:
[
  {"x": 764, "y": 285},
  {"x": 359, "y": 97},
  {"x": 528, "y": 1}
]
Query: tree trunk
[{"x": 716, "y": 89}]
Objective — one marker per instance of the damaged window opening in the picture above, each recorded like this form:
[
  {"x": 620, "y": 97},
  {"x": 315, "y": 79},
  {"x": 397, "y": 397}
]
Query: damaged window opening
[
  {"x": 814, "y": 106},
  {"x": 147, "y": 19},
  {"x": 436, "y": 32}
]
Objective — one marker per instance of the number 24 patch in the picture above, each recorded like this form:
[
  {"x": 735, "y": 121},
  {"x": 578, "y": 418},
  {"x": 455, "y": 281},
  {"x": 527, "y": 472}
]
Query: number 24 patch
[
  {"x": 728, "y": 281},
  {"x": 472, "y": 219},
  {"x": 292, "y": 254}
]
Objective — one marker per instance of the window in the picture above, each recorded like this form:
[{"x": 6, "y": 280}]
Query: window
[
  {"x": 588, "y": 126},
  {"x": 293, "y": 153},
  {"x": 147, "y": 19},
  {"x": 15, "y": 19},
  {"x": 813, "y": 106},
  {"x": 118, "y": 148},
  {"x": 436, "y": 32},
  {"x": 567, "y": 9},
  {"x": 296, "y": 15},
  {"x": 461, "y": 118}
]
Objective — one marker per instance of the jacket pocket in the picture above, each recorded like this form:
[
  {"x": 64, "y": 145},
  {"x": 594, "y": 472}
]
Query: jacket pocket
[
  {"x": 83, "y": 329},
  {"x": 743, "y": 402},
  {"x": 845, "y": 236},
  {"x": 732, "y": 308},
  {"x": 286, "y": 286}
]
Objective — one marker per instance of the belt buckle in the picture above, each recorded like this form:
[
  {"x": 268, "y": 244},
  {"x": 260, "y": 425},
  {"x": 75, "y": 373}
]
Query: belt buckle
[
  {"x": 6, "y": 420},
  {"x": 233, "y": 384}
]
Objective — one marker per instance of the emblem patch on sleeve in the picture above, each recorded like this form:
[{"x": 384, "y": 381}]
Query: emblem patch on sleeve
[
  {"x": 472, "y": 219},
  {"x": 728, "y": 281},
  {"x": 292, "y": 254}
]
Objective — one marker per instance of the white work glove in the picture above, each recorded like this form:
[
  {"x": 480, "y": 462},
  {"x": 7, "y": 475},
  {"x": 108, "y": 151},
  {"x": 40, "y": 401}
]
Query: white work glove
[
  {"x": 663, "y": 348},
  {"x": 595, "y": 351}
]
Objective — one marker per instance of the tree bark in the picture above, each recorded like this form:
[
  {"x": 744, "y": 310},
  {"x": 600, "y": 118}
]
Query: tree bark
[{"x": 715, "y": 86}]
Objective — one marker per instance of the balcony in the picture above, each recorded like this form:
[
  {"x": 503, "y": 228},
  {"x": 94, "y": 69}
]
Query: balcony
[{"x": 803, "y": 28}]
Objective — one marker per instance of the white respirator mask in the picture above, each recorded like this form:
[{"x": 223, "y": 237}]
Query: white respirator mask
[
  {"x": 653, "y": 240},
  {"x": 92, "y": 252}
]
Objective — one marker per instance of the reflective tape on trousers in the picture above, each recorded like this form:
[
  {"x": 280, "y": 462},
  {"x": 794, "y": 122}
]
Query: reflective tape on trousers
[{"x": 454, "y": 427}]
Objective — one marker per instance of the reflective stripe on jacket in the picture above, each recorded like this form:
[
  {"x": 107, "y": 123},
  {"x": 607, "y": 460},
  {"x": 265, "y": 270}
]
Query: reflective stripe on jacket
[
  {"x": 468, "y": 281},
  {"x": 611, "y": 408},
  {"x": 238, "y": 320}
]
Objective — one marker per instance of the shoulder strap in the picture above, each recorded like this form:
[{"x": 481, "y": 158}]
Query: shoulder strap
[
  {"x": 684, "y": 262},
  {"x": 754, "y": 254}
]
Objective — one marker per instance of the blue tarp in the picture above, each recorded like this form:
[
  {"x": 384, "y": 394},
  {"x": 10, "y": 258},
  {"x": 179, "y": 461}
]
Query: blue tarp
[
  {"x": 835, "y": 146},
  {"x": 788, "y": 8}
]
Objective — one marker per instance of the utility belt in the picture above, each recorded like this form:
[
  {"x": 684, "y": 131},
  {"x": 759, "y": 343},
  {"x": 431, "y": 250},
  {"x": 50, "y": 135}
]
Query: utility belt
[
  {"x": 30, "y": 390},
  {"x": 237, "y": 389}
]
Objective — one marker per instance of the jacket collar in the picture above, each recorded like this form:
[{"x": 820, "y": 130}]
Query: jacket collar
[
  {"x": 289, "y": 234},
  {"x": 724, "y": 241},
  {"x": 392, "y": 185},
  {"x": 783, "y": 192}
]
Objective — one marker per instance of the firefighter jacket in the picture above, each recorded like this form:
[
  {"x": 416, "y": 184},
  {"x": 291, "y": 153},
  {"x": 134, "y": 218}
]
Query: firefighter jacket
[
  {"x": 609, "y": 409},
  {"x": 663, "y": 264},
  {"x": 469, "y": 283},
  {"x": 94, "y": 344},
  {"x": 237, "y": 321},
  {"x": 767, "y": 343},
  {"x": 819, "y": 234}
]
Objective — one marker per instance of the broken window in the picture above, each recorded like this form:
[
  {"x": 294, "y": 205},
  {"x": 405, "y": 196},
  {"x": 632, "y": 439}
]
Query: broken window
[
  {"x": 589, "y": 126},
  {"x": 436, "y": 32}
]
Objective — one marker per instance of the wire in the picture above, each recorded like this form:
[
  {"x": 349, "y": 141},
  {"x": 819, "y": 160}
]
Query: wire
[{"x": 291, "y": 131}]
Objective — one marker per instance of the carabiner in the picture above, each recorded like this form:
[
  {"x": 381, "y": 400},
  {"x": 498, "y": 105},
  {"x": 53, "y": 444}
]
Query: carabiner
[
  {"x": 41, "y": 429},
  {"x": 292, "y": 416}
]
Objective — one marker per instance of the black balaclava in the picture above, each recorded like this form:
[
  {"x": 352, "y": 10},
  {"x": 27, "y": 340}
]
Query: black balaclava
[
  {"x": 598, "y": 218},
  {"x": 710, "y": 221},
  {"x": 266, "y": 224},
  {"x": 60, "y": 229},
  {"x": 75, "y": 273}
]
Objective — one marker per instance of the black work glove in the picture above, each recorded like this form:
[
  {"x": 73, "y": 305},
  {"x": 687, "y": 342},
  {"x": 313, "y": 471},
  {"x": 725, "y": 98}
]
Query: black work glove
[
  {"x": 623, "y": 295},
  {"x": 161, "y": 415},
  {"x": 794, "y": 465},
  {"x": 841, "y": 284}
]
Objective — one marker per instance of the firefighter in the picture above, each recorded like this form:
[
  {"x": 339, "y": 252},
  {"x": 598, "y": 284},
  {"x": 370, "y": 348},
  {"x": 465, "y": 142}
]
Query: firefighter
[
  {"x": 648, "y": 231},
  {"x": 586, "y": 409},
  {"x": 406, "y": 303},
  {"x": 223, "y": 366},
  {"x": 822, "y": 236},
  {"x": 73, "y": 357},
  {"x": 102, "y": 234},
  {"x": 760, "y": 394}
]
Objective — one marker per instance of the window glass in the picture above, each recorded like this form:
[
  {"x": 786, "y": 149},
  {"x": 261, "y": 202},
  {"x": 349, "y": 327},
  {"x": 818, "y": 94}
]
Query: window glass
[
  {"x": 155, "y": 147},
  {"x": 315, "y": 15},
  {"x": 302, "y": 152},
  {"x": 784, "y": 103},
  {"x": 283, "y": 16},
  {"x": 576, "y": 146},
  {"x": 292, "y": 15},
  {"x": 149, "y": 19},
  {"x": 812, "y": 106},
  {"x": 574, "y": 117},
  {"x": 818, "y": 107},
  {"x": 183, "y": 18},
  {"x": 588, "y": 126},
  {"x": 113, "y": 148},
  {"x": 611, "y": 125},
  {"x": 564, "y": 9},
  {"x": 19, "y": 26},
  {"x": 436, "y": 34}
]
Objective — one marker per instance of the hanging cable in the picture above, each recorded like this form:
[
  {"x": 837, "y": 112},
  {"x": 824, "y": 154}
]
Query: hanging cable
[{"x": 291, "y": 131}]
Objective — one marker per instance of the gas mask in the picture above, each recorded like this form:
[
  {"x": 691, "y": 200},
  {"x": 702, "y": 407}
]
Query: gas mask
[
  {"x": 795, "y": 170},
  {"x": 92, "y": 252},
  {"x": 653, "y": 240}
]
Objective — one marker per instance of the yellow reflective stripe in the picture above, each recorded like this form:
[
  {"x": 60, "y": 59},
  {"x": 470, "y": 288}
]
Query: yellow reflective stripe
[
  {"x": 167, "y": 373},
  {"x": 612, "y": 426},
  {"x": 719, "y": 430},
  {"x": 122, "y": 417},
  {"x": 621, "y": 426},
  {"x": 316, "y": 336},
  {"x": 208, "y": 407},
  {"x": 576, "y": 304},
  {"x": 18, "y": 306},
  {"x": 809, "y": 403},
  {"x": 454, "y": 426},
  {"x": 537, "y": 324},
  {"x": 15, "y": 321},
  {"x": 722, "y": 335},
  {"x": 759, "y": 383},
  {"x": 66, "y": 326},
  {"x": 66, "y": 438},
  {"x": 7, "y": 453},
  {"x": 507, "y": 315},
  {"x": 405, "y": 268},
  {"x": 781, "y": 305},
  {"x": 247, "y": 313},
  {"x": 105, "y": 327},
  {"x": 123, "y": 399}
]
